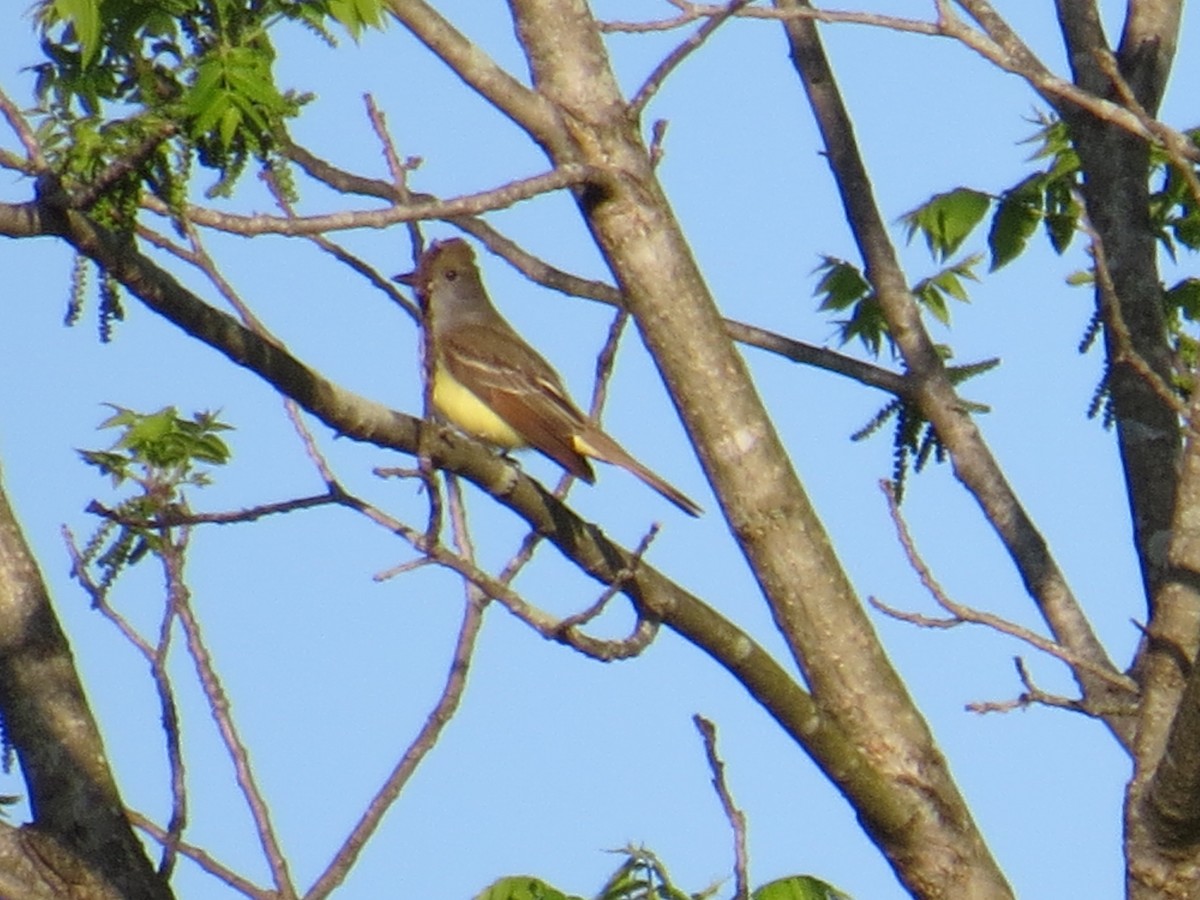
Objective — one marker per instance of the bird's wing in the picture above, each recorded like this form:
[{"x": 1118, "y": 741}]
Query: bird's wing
[{"x": 517, "y": 384}]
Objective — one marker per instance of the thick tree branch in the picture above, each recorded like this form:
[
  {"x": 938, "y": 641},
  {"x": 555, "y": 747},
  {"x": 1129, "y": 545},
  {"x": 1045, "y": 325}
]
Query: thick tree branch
[
  {"x": 1147, "y": 49},
  {"x": 525, "y": 107},
  {"x": 548, "y": 276},
  {"x": 79, "y": 830},
  {"x": 933, "y": 391},
  {"x": 833, "y": 749},
  {"x": 809, "y": 594}
]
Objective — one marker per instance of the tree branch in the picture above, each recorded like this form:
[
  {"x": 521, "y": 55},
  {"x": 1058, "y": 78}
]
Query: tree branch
[
  {"x": 810, "y": 596},
  {"x": 347, "y": 414},
  {"x": 77, "y": 810},
  {"x": 471, "y": 204},
  {"x": 525, "y": 107},
  {"x": 974, "y": 464}
]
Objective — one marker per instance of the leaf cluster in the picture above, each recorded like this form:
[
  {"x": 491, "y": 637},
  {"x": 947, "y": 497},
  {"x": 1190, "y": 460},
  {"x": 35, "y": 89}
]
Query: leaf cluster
[
  {"x": 843, "y": 287},
  {"x": 123, "y": 78},
  {"x": 1048, "y": 199},
  {"x": 160, "y": 453},
  {"x": 642, "y": 876}
]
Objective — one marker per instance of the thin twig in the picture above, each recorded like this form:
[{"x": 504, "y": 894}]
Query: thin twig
[
  {"x": 219, "y": 708},
  {"x": 176, "y": 518},
  {"x": 968, "y": 614},
  {"x": 618, "y": 584},
  {"x": 25, "y": 134},
  {"x": 342, "y": 255},
  {"x": 156, "y": 658},
  {"x": 1032, "y": 695},
  {"x": 566, "y": 176},
  {"x": 202, "y": 858},
  {"x": 737, "y": 819},
  {"x": 399, "y": 170},
  {"x": 652, "y": 84},
  {"x": 442, "y": 712},
  {"x": 540, "y": 621},
  {"x": 694, "y": 11}
]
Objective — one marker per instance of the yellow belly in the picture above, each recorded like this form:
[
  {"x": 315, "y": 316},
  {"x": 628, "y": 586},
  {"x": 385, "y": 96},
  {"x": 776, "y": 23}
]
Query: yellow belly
[{"x": 466, "y": 411}]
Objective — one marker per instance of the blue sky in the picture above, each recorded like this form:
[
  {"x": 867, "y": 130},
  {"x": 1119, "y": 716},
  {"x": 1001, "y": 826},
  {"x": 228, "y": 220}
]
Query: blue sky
[{"x": 554, "y": 759}]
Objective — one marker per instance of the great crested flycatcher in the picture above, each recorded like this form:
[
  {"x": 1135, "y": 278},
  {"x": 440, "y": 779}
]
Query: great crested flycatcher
[{"x": 490, "y": 383}]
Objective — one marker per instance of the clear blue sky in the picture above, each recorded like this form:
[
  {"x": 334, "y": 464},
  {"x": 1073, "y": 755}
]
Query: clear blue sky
[{"x": 554, "y": 759}]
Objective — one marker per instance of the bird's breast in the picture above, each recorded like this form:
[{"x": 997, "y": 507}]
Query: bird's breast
[{"x": 466, "y": 411}]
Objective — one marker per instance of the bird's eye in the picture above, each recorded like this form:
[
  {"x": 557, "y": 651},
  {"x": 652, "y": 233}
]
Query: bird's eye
[{"x": 452, "y": 274}]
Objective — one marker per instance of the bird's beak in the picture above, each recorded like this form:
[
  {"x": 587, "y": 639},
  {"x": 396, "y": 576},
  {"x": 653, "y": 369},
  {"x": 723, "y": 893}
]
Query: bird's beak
[{"x": 408, "y": 279}]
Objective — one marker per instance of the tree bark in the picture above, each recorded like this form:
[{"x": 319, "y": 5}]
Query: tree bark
[
  {"x": 940, "y": 852},
  {"x": 80, "y": 842}
]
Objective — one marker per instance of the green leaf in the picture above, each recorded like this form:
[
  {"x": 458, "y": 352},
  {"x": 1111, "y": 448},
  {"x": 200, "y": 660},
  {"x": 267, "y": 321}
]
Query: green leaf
[
  {"x": 1185, "y": 297},
  {"x": 83, "y": 16},
  {"x": 357, "y": 15},
  {"x": 1187, "y": 230},
  {"x": 947, "y": 219},
  {"x": 1062, "y": 214},
  {"x": 932, "y": 292},
  {"x": 934, "y": 300},
  {"x": 521, "y": 887},
  {"x": 799, "y": 887},
  {"x": 1017, "y": 217},
  {"x": 843, "y": 285}
]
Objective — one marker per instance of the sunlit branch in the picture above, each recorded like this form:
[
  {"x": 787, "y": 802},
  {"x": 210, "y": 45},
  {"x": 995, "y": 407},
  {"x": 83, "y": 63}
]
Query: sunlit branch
[
  {"x": 961, "y": 613},
  {"x": 202, "y": 858},
  {"x": 525, "y": 107},
  {"x": 932, "y": 389},
  {"x": 736, "y": 818},
  {"x": 673, "y": 59},
  {"x": 219, "y": 707},
  {"x": 35, "y": 161},
  {"x": 470, "y": 204}
]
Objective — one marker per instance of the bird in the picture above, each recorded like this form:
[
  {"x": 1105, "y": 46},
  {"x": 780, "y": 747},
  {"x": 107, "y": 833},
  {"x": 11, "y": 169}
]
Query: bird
[{"x": 490, "y": 383}]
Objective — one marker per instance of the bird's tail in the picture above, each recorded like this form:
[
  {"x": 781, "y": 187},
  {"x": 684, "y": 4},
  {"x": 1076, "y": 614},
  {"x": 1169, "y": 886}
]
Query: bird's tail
[{"x": 598, "y": 445}]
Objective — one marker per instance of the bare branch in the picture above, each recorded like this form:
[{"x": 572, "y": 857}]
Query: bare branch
[
  {"x": 175, "y": 518},
  {"x": 219, "y": 707},
  {"x": 655, "y": 81},
  {"x": 962, "y": 613},
  {"x": 565, "y": 176},
  {"x": 932, "y": 389},
  {"x": 1032, "y": 695},
  {"x": 737, "y": 819},
  {"x": 623, "y": 578},
  {"x": 156, "y": 657},
  {"x": 202, "y": 858},
  {"x": 694, "y": 11},
  {"x": 456, "y": 680},
  {"x": 36, "y": 161}
]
